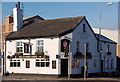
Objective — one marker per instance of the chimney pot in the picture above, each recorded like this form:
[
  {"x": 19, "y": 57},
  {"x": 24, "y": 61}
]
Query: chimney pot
[{"x": 16, "y": 5}]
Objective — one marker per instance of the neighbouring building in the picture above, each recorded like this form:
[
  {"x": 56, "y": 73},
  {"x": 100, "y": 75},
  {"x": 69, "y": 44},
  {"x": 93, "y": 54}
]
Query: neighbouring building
[
  {"x": 8, "y": 25},
  {"x": 45, "y": 46},
  {"x": 108, "y": 54},
  {"x": 113, "y": 35}
]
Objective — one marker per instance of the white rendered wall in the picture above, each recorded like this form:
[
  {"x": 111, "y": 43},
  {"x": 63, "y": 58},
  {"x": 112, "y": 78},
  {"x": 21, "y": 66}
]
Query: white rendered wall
[
  {"x": 17, "y": 18},
  {"x": 50, "y": 45}
]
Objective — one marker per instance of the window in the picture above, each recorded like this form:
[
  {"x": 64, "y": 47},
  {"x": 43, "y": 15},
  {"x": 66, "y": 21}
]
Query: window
[
  {"x": 108, "y": 47},
  {"x": 107, "y": 63},
  {"x": 75, "y": 63},
  {"x": 15, "y": 63},
  {"x": 40, "y": 45},
  {"x": 84, "y": 29},
  {"x": 26, "y": 48},
  {"x": 100, "y": 45},
  {"x": 19, "y": 47},
  {"x": 41, "y": 63},
  {"x": 94, "y": 63},
  {"x": 27, "y": 64},
  {"x": 111, "y": 63},
  {"x": 87, "y": 47},
  {"x": 53, "y": 64},
  {"x": 77, "y": 46}
]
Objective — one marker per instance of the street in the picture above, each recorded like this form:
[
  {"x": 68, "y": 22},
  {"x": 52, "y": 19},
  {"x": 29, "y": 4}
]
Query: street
[{"x": 57, "y": 81}]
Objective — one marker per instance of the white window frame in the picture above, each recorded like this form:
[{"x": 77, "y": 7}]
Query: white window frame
[
  {"x": 20, "y": 46},
  {"x": 16, "y": 63},
  {"x": 44, "y": 63},
  {"x": 40, "y": 45}
]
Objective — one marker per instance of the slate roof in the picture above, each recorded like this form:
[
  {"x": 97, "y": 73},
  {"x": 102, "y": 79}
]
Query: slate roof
[
  {"x": 105, "y": 39},
  {"x": 47, "y": 28}
]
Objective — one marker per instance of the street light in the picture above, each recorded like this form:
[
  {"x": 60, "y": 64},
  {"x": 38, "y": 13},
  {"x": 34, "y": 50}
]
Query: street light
[
  {"x": 100, "y": 14},
  {"x": 100, "y": 27}
]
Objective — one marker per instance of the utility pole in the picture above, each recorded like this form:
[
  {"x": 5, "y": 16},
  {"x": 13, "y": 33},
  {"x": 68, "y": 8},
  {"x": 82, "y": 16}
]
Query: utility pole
[
  {"x": 2, "y": 67},
  {"x": 85, "y": 67},
  {"x": 69, "y": 63}
]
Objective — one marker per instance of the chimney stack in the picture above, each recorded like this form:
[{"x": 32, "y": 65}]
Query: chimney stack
[
  {"x": 17, "y": 17},
  {"x": 19, "y": 5}
]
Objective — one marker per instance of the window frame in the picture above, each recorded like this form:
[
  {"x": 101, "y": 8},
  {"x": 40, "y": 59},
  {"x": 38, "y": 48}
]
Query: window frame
[
  {"x": 21, "y": 46},
  {"x": 78, "y": 46},
  {"x": 87, "y": 47},
  {"x": 84, "y": 28},
  {"x": 15, "y": 63},
  {"x": 28, "y": 48},
  {"x": 40, "y": 63},
  {"x": 40, "y": 45}
]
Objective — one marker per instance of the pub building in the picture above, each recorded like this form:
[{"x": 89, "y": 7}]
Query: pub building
[{"x": 44, "y": 47}]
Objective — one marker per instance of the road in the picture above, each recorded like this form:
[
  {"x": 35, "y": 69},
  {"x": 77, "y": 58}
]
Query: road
[{"x": 58, "y": 81}]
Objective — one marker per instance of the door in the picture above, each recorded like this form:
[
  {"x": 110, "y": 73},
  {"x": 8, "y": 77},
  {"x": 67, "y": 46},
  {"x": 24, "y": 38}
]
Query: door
[
  {"x": 27, "y": 63},
  {"x": 101, "y": 65},
  {"x": 64, "y": 67}
]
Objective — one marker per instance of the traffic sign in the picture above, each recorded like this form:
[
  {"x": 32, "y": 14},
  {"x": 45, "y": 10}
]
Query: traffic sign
[{"x": 2, "y": 56}]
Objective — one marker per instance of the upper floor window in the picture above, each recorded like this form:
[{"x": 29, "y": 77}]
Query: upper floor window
[
  {"x": 100, "y": 45},
  {"x": 19, "y": 47},
  {"x": 84, "y": 29},
  {"x": 87, "y": 47},
  {"x": 26, "y": 48},
  {"x": 77, "y": 49},
  {"x": 108, "y": 47},
  {"x": 40, "y": 45}
]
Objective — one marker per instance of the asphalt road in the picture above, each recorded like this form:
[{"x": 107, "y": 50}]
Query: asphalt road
[{"x": 57, "y": 81}]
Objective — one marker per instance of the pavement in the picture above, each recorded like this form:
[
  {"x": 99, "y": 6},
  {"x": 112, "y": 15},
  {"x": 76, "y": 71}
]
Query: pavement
[{"x": 40, "y": 77}]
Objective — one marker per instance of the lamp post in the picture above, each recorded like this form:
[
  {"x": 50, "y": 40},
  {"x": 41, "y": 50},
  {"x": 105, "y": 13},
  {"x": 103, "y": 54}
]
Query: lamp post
[{"x": 100, "y": 28}]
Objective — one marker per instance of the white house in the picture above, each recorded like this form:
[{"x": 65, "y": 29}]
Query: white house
[{"x": 42, "y": 47}]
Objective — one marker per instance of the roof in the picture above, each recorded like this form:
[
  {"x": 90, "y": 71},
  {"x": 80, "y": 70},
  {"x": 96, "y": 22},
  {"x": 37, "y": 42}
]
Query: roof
[
  {"x": 105, "y": 39},
  {"x": 47, "y": 28}
]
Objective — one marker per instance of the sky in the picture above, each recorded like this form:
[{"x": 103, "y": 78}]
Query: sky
[
  {"x": 62, "y": 0},
  {"x": 54, "y": 10}
]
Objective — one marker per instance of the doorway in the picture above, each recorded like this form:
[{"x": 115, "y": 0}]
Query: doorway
[
  {"x": 27, "y": 64},
  {"x": 64, "y": 67}
]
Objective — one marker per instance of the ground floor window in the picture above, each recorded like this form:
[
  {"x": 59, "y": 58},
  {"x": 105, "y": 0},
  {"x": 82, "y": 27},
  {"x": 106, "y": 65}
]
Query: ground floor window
[
  {"x": 40, "y": 63},
  {"x": 14, "y": 63},
  {"x": 75, "y": 63},
  {"x": 111, "y": 63},
  {"x": 107, "y": 64}
]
